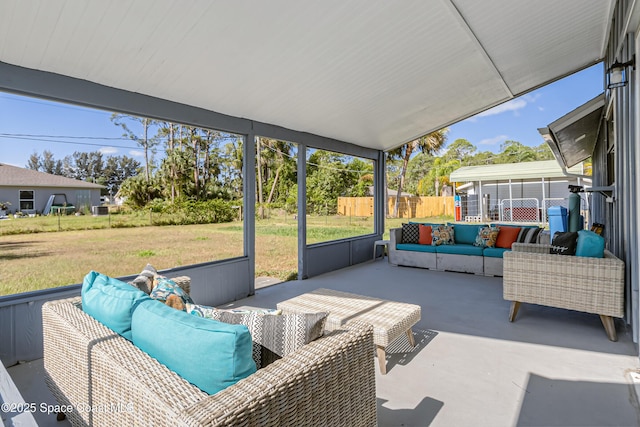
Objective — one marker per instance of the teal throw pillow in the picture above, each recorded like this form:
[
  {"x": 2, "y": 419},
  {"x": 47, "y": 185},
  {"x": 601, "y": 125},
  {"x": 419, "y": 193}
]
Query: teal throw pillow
[
  {"x": 209, "y": 354},
  {"x": 590, "y": 244},
  {"x": 111, "y": 301}
]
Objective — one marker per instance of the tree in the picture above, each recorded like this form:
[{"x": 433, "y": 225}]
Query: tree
[
  {"x": 462, "y": 150},
  {"x": 148, "y": 144},
  {"x": 34, "y": 162},
  {"x": 515, "y": 152},
  {"x": 428, "y": 144},
  {"x": 117, "y": 169}
]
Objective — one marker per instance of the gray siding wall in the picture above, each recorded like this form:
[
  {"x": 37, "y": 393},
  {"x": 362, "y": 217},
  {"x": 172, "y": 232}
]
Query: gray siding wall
[{"x": 42, "y": 194}]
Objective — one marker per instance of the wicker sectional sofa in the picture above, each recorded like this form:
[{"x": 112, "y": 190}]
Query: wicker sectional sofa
[
  {"x": 591, "y": 285},
  {"x": 101, "y": 378},
  {"x": 462, "y": 257}
]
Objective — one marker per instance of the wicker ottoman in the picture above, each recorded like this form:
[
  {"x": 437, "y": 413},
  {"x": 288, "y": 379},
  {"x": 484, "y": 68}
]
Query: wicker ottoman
[{"x": 389, "y": 319}]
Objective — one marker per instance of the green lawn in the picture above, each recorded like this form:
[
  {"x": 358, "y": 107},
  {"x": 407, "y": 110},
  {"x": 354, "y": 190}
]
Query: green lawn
[{"x": 34, "y": 255}]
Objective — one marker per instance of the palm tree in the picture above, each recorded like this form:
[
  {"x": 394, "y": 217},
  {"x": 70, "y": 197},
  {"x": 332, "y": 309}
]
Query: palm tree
[{"x": 428, "y": 144}]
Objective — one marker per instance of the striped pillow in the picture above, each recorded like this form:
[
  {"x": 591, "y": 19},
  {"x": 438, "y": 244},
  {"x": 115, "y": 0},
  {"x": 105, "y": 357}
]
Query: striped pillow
[{"x": 528, "y": 235}]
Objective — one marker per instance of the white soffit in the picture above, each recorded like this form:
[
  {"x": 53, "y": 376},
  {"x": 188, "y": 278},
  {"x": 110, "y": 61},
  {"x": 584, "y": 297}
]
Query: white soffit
[{"x": 374, "y": 73}]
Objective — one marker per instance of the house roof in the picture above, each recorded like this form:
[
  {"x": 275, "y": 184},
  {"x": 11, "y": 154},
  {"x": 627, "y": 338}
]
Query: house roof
[
  {"x": 503, "y": 172},
  {"x": 13, "y": 176},
  {"x": 373, "y": 73}
]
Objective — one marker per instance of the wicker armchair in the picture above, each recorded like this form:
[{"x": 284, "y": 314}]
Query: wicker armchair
[
  {"x": 591, "y": 285},
  {"x": 101, "y": 378}
]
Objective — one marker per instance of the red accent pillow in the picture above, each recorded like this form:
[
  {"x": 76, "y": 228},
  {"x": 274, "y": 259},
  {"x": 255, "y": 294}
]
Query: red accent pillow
[
  {"x": 426, "y": 238},
  {"x": 507, "y": 236}
]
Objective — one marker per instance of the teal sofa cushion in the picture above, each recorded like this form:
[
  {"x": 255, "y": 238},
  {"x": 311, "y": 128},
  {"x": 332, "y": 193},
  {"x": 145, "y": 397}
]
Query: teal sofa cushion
[
  {"x": 590, "y": 244},
  {"x": 415, "y": 247},
  {"x": 494, "y": 252},
  {"x": 459, "y": 250},
  {"x": 111, "y": 301},
  {"x": 465, "y": 234},
  {"x": 209, "y": 354}
]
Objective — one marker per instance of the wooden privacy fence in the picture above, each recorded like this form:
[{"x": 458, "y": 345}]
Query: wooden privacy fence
[{"x": 409, "y": 207}]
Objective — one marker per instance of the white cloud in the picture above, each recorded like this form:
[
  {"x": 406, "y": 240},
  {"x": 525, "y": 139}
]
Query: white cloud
[
  {"x": 136, "y": 153},
  {"x": 108, "y": 150},
  {"x": 494, "y": 141},
  {"x": 513, "y": 105}
]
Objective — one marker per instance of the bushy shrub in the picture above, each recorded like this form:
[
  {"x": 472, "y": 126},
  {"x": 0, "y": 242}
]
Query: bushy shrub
[{"x": 186, "y": 212}]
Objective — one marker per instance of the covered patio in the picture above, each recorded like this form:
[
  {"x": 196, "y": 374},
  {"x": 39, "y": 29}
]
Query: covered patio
[
  {"x": 470, "y": 366},
  {"x": 361, "y": 78}
]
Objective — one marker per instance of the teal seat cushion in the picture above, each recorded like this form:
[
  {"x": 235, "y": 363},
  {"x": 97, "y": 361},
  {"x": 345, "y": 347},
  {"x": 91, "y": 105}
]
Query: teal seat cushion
[
  {"x": 515, "y": 225},
  {"x": 459, "y": 250},
  {"x": 415, "y": 247},
  {"x": 111, "y": 301},
  {"x": 590, "y": 244},
  {"x": 494, "y": 252},
  {"x": 209, "y": 354},
  {"x": 465, "y": 234}
]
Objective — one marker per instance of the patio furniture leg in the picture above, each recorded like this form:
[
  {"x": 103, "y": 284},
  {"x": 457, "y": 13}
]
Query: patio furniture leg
[
  {"x": 382, "y": 359},
  {"x": 515, "y": 306},
  {"x": 607, "y": 322},
  {"x": 412, "y": 341}
]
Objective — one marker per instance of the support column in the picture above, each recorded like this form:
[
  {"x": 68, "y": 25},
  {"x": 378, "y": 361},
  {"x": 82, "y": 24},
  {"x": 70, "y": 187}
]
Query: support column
[
  {"x": 249, "y": 202},
  {"x": 302, "y": 212},
  {"x": 379, "y": 192},
  {"x": 480, "y": 201},
  {"x": 510, "y": 201}
]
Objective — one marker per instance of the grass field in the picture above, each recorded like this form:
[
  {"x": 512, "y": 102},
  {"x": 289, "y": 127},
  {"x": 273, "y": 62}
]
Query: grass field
[{"x": 34, "y": 255}]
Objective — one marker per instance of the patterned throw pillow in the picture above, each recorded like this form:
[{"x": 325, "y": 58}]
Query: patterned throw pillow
[
  {"x": 274, "y": 336},
  {"x": 144, "y": 281},
  {"x": 166, "y": 290},
  {"x": 443, "y": 235},
  {"x": 487, "y": 237},
  {"x": 410, "y": 233},
  {"x": 528, "y": 235}
]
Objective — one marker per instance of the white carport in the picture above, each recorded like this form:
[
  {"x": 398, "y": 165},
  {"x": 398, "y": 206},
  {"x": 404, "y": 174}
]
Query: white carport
[{"x": 520, "y": 194}]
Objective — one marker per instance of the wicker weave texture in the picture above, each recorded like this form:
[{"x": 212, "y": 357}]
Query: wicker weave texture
[
  {"x": 591, "y": 285},
  {"x": 389, "y": 319},
  {"x": 330, "y": 381}
]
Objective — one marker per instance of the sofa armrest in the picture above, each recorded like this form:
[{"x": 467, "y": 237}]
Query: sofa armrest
[
  {"x": 331, "y": 381},
  {"x": 395, "y": 237},
  {"x": 531, "y": 248}
]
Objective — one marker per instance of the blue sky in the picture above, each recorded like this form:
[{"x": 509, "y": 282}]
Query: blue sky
[{"x": 48, "y": 125}]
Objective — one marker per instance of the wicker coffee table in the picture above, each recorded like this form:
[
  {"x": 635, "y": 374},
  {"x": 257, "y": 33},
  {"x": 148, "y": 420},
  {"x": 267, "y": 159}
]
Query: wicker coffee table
[{"x": 389, "y": 319}]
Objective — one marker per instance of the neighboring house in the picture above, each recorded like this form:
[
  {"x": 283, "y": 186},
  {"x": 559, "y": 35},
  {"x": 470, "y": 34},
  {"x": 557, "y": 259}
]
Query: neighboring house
[
  {"x": 516, "y": 192},
  {"x": 29, "y": 191}
]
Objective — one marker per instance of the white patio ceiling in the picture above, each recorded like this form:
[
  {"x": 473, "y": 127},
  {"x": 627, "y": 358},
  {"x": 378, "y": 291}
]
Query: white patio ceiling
[{"x": 376, "y": 73}]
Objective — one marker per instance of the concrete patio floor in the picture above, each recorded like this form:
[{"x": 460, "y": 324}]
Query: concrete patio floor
[{"x": 471, "y": 367}]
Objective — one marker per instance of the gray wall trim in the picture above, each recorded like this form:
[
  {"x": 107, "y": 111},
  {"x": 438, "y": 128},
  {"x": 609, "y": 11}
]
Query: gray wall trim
[
  {"x": 57, "y": 87},
  {"x": 302, "y": 212},
  {"x": 249, "y": 202},
  {"x": 330, "y": 256}
]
